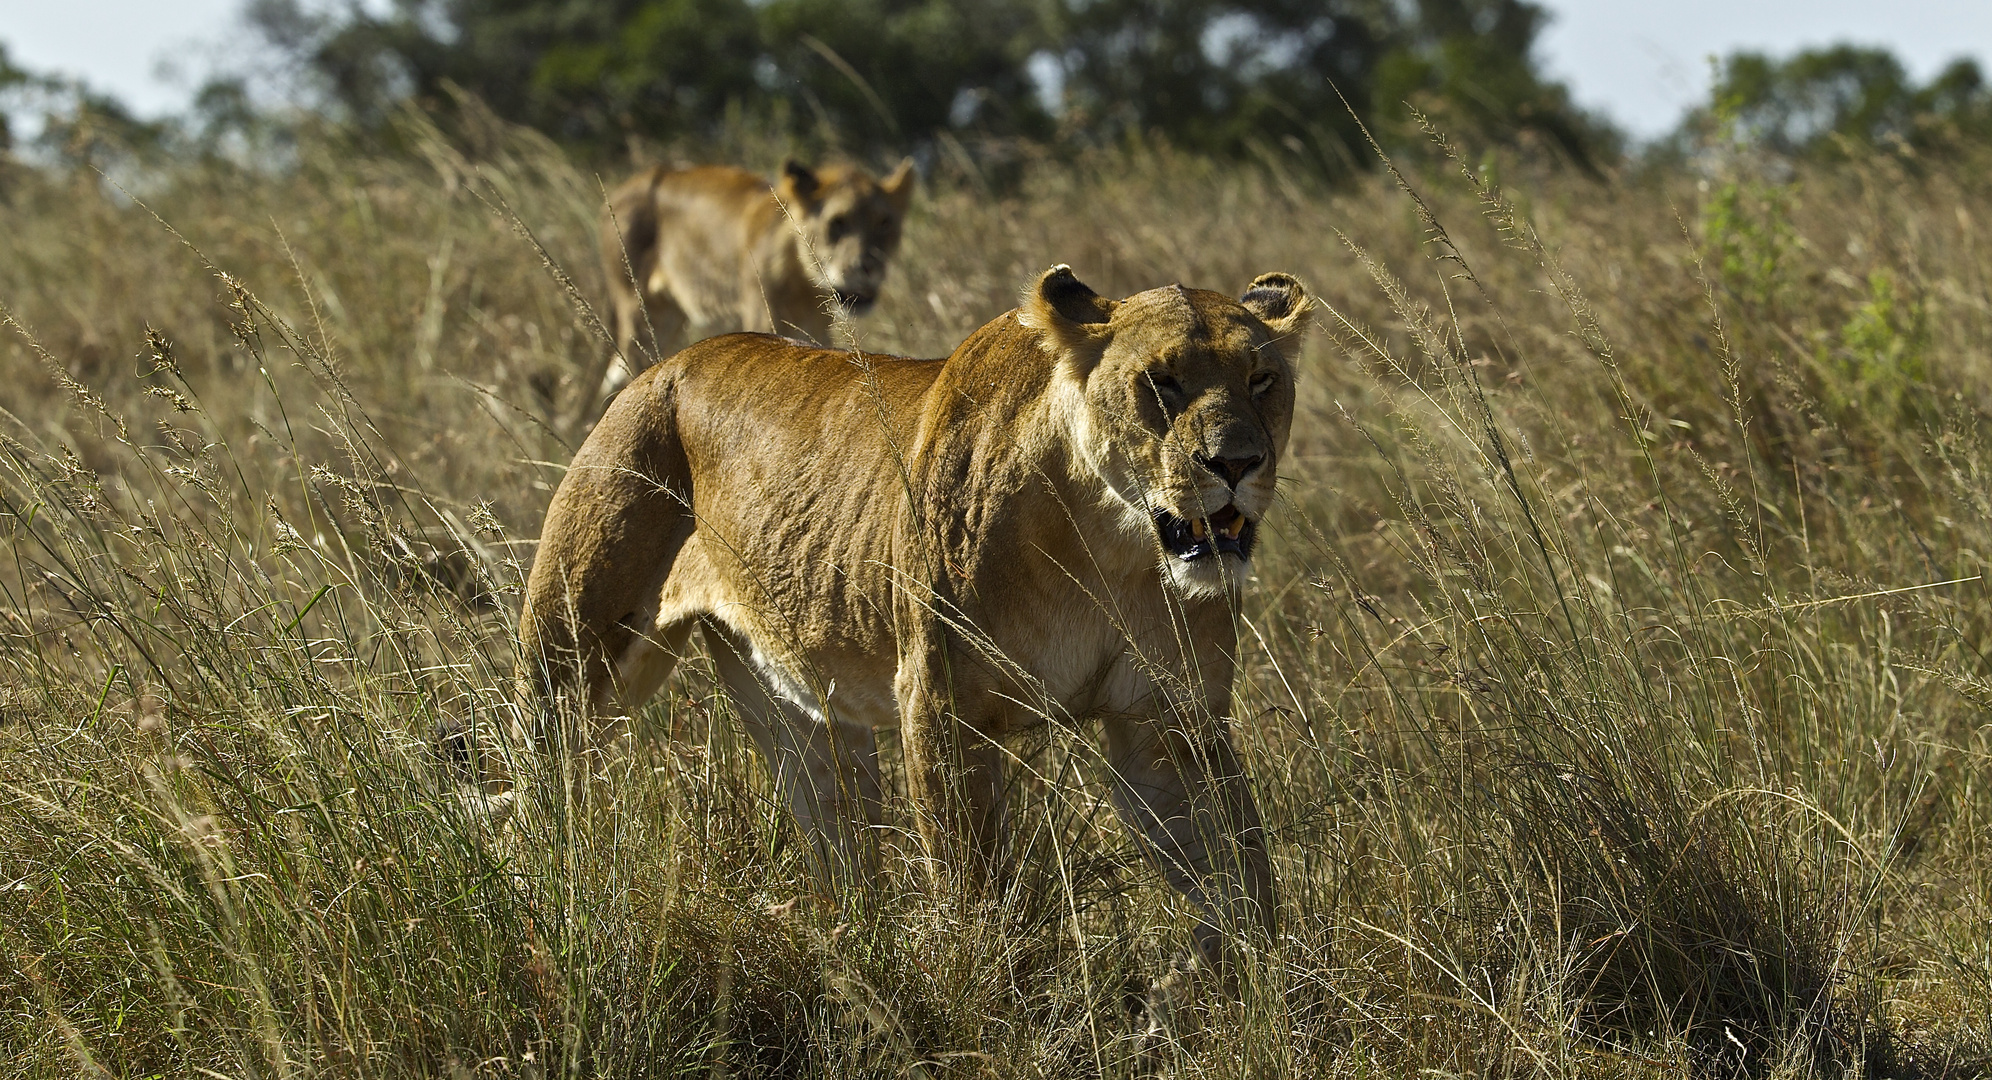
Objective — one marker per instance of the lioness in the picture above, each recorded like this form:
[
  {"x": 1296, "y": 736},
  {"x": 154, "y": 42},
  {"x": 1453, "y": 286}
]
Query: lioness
[
  {"x": 714, "y": 248},
  {"x": 1053, "y": 522}
]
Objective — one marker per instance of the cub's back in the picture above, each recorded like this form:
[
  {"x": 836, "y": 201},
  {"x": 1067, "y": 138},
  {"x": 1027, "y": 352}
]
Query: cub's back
[
  {"x": 717, "y": 193},
  {"x": 727, "y": 202}
]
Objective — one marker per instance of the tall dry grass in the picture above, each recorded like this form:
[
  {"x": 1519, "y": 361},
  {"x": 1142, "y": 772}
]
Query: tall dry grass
[{"x": 1615, "y": 680}]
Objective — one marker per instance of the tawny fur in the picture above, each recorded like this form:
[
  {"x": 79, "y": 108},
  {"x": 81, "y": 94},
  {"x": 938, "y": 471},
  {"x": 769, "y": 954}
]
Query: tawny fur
[
  {"x": 711, "y": 249},
  {"x": 962, "y": 547}
]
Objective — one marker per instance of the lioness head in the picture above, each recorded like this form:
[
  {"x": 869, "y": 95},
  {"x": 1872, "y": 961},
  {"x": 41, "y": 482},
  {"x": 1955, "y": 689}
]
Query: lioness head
[
  {"x": 849, "y": 225},
  {"x": 1183, "y": 402}
]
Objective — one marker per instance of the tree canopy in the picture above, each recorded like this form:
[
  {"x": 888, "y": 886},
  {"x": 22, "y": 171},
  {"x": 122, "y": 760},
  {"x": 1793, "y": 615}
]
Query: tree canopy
[
  {"x": 1826, "y": 102},
  {"x": 1214, "y": 76}
]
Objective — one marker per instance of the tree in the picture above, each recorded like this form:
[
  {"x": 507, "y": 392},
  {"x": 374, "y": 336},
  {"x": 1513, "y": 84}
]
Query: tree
[
  {"x": 657, "y": 66},
  {"x": 595, "y": 71},
  {"x": 577, "y": 69},
  {"x": 1214, "y": 76},
  {"x": 80, "y": 127},
  {"x": 1469, "y": 65},
  {"x": 1824, "y": 102},
  {"x": 1221, "y": 77},
  {"x": 899, "y": 71},
  {"x": 11, "y": 80}
]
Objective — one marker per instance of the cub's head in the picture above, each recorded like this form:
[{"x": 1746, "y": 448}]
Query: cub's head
[
  {"x": 1183, "y": 400},
  {"x": 849, "y": 224}
]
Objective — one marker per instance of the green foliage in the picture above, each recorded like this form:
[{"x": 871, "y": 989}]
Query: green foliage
[
  {"x": 880, "y": 72},
  {"x": 1469, "y": 65},
  {"x": 1879, "y": 360},
  {"x": 1218, "y": 78},
  {"x": 666, "y": 61},
  {"x": 895, "y": 72},
  {"x": 1839, "y": 101},
  {"x": 79, "y": 127},
  {"x": 1285, "y": 77},
  {"x": 1748, "y": 238}
]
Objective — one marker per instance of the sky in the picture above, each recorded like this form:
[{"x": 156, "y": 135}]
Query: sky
[
  {"x": 151, "y": 54},
  {"x": 1640, "y": 62},
  {"x": 1644, "y": 62}
]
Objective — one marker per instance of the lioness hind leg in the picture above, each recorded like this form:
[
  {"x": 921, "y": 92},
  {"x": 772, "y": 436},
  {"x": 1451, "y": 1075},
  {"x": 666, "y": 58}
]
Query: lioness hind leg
[
  {"x": 645, "y": 333},
  {"x": 646, "y": 662},
  {"x": 825, "y": 770},
  {"x": 578, "y": 723}
]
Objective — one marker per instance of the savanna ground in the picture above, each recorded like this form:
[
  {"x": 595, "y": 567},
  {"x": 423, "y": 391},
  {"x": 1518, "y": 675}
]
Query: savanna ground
[{"x": 1615, "y": 673}]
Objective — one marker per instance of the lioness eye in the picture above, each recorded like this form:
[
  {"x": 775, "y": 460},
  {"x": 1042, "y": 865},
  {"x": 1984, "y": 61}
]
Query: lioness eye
[
  {"x": 1165, "y": 384},
  {"x": 1263, "y": 382},
  {"x": 839, "y": 225}
]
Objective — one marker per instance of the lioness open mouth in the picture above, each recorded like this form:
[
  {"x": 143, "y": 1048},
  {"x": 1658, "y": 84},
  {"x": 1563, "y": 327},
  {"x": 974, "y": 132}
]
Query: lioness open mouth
[
  {"x": 857, "y": 302},
  {"x": 1198, "y": 538}
]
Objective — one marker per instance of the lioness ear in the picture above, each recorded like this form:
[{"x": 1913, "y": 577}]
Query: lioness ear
[
  {"x": 898, "y": 187},
  {"x": 799, "y": 179},
  {"x": 1072, "y": 316},
  {"x": 1281, "y": 302}
]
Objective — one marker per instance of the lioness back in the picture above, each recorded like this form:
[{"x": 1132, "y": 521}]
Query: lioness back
[
  {"x": 693, "y": 252},
  {"x": 759, "y": 459},
  {"x": 762, "y": 460}
]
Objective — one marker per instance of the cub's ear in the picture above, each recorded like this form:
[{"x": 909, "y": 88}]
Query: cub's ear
[
  {"x": 1281, "y": 302},
  {"x": 1071, "y": 315},
  {"x": 898, "y": 187},
  {"x": 798, "y": 181}
]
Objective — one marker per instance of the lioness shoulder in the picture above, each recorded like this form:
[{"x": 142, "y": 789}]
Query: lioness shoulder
[{"x": 694, "y": 252}]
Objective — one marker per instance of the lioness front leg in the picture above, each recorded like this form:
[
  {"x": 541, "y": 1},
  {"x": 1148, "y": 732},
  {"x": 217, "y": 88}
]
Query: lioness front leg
[
  {"x": 1178, "y": 787},
  {"x": 954, "y": 775}
]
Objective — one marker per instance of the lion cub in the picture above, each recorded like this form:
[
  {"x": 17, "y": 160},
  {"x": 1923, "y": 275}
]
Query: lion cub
[{"x": 706, "y": 250}]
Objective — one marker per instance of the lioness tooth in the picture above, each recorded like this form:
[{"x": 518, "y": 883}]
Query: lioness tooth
[
  {"x": 1197, "y": 528},
  {"x": 1237, "y": 526}
]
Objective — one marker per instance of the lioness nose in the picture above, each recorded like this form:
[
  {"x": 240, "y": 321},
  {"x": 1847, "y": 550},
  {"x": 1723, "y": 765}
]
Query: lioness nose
[{"x": 1230, "y": 469}]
